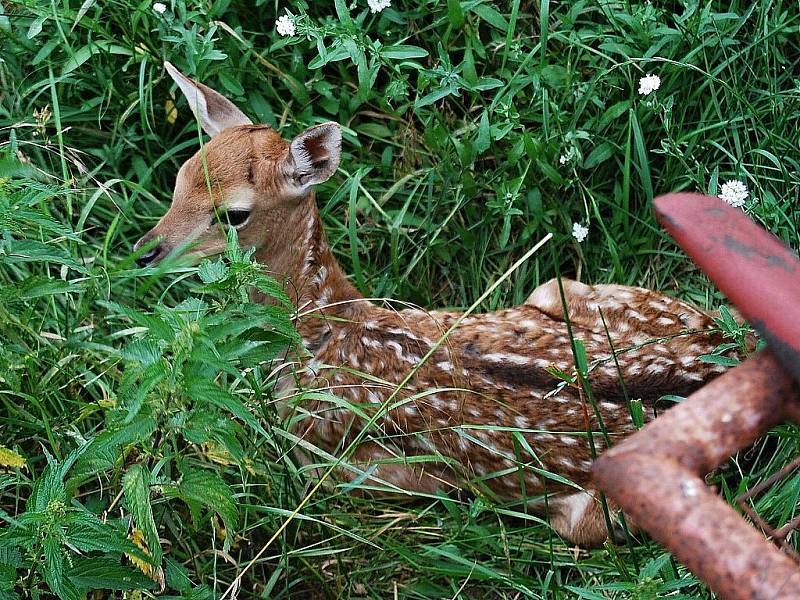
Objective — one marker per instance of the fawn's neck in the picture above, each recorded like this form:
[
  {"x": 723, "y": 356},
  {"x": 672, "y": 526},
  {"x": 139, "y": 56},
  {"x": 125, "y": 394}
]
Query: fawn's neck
[{"x": 298, "y": 255}]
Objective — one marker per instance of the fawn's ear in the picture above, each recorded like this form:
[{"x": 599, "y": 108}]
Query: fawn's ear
[
  {"x": 314, "y": 154},
  {"x": 213, "y": 110}
]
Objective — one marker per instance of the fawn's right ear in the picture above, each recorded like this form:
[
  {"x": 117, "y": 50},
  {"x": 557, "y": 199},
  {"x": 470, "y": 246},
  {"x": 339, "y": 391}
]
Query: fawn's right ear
[
  {"x": 314, "y": 155},
  {"x": 214, "y": 111}
]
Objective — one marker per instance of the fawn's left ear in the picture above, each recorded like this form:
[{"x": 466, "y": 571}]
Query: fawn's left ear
[
  {"x": 214, "y": 111},
  {"x": 314, "y": 154}
]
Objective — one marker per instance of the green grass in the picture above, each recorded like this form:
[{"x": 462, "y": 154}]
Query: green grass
[{"x": 117, "y": 385}]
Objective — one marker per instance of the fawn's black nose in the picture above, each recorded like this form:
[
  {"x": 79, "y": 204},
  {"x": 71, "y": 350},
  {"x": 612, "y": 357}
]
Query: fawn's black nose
[{"x": 151, "y": 255}]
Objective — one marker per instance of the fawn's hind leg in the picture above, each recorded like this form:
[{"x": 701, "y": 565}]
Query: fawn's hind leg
[
  {"x": 578, "y": 517},
  {"x": 622, "y": 306}
]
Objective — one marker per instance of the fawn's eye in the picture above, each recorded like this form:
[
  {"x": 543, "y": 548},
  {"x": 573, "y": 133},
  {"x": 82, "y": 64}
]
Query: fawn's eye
[{"x": 235, "y": 217}]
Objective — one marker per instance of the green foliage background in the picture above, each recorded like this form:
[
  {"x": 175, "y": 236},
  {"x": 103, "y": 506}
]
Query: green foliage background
[{"x": 143, "y": 399}]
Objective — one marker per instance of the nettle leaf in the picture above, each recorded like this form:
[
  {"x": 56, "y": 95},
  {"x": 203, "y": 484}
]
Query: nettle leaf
[
  {"x": 234, "y": 323},
  {"x": 203, "y": 392},
  {"x": 8, "y": 577},
  {"x": 202, "y": 427},
  {"x": 269, "y": 286},
  {"x": 26, "y": 251},
  {"x": 87, "y": 533},
  {"x": 53, "y": 571},
  {"x": 207, "y": 489},
  {"x": 177, "y": 576},
  {"x": 141, "y": 350},
  {"x": 205, "y": 362},
  {"x": 137, "y": 384},
  {"x": 106, "y": 573},
  {"x": 105, "y": 448},
  {"x": 190, "y": 310},
  {"x": 276, "y": 318},
  {"x": 136, "y": 487},
  {"x": 210, "y": 271},
  {"x": 157, "y": 327},
  {"x": 10, "y": 556},
  {"x": 47, "y": 489}
]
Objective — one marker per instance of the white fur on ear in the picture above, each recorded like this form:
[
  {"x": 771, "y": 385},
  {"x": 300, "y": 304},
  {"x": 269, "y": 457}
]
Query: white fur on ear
[
  {"x": 214, "y": 111},
  {"x": 315, "y": 154}
]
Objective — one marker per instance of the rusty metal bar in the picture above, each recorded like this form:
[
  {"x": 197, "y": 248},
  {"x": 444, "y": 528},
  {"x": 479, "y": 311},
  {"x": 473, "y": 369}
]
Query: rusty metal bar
[
  {"x": 656, "y": 476},
  {"x": 752, "y": 267}
]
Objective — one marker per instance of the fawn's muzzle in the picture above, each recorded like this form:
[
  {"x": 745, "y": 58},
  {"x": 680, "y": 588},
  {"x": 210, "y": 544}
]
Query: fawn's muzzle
[{"x": 152, "y": 255}]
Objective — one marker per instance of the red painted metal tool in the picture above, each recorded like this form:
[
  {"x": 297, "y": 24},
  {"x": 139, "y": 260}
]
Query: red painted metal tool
[
  {"x": 656, "y": 475},
  {"x": 749, "y": 265}
]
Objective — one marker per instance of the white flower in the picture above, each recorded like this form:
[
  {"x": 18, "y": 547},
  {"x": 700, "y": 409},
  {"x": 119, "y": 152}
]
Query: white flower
[
  {"x": 649, "y": 84},
  {"x": 159, "y": 7},
  {"x": 734, "y": 193},
  {"x": 285, "y": 26},
  {"x": 376, "y": 6},
  {"x": 579, "y": 232},
  {"x": 562, "y": 160}
]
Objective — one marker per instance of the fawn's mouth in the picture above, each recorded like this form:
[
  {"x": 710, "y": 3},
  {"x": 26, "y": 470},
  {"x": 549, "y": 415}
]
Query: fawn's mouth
[{"x": 151, "y": 257}]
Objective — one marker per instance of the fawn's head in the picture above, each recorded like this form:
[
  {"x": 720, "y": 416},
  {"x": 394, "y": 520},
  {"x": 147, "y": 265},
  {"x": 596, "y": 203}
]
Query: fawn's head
[{"x": 246, "y": 177}]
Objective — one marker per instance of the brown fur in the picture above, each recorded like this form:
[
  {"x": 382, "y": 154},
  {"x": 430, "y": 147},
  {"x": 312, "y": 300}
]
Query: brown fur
[{"x": 488, "y": 380}]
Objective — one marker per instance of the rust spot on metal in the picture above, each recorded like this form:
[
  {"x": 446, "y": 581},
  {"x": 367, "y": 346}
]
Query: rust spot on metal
[
  {"x": 780, "y": 262},
  {"x": 714, "y": 211},
  {"x": 788, "y": 353},
  {"x": 748, "y": 251},
  {"x": 740, "y": 247}
]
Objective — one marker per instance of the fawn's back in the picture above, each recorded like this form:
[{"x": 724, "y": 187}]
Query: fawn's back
[{"x": 496, "y": 379}]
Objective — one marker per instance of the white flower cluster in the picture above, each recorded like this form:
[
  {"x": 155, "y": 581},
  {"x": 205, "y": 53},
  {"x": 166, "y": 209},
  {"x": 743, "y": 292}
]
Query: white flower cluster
[
  {"x": 159, "y": 7},
  {"x": 285, "y": 26},
  {"x": 579, "y": 232},
  {"x": 376, "y": 6},
  {"x": 649, "y": 84},
  {"x": 570, "y": 154},
  {"x": 734, "y": 193}
]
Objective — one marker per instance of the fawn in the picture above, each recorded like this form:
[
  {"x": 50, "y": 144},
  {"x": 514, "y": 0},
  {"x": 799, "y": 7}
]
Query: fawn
[{"x": 457, "y": 422}]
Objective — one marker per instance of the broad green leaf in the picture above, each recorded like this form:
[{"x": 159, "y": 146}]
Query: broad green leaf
[
  {"x": 87, "y": 533},
  {"x": 203, "y": 392},
  {"x": 491, "y": 16},
  {"x": 85, "y": 53},
  {"x": 136, "y": 487},
  {"x": 435, "y": 95},
  {"x": 210, "y": 271},
  {"x": 402, "y": 51},
  {"x": 718, "y": 359},
  {"x": 106, "y": 573},
  {"x": 455, "y": 13},
  {"x": 207, "y": 489},
  {"x": 483, "y": 139},
  {"x": 598, "y": 155}
]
